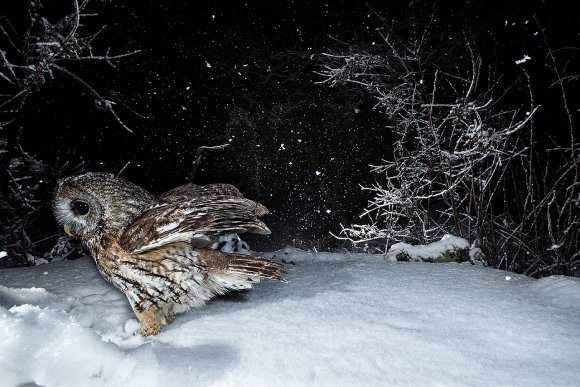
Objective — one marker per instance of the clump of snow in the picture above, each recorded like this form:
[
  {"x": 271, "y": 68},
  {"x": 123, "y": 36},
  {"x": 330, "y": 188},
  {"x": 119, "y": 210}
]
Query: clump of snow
[
  {"x": 3, "y": 254},
  {"x": 353, "y": 319},
  {"x": 449, "y": 249},
  {"x": 477, "y": 257},
  {"x": 523, "y": 60}
]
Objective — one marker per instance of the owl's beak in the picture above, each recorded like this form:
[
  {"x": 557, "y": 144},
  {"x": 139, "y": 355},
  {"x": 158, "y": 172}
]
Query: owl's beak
[{"x": 68, "y": 231}]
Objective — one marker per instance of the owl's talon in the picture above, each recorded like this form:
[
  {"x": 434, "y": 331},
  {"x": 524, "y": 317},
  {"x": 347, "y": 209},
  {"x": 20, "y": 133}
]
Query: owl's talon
[{"x": 149, "y": 331}]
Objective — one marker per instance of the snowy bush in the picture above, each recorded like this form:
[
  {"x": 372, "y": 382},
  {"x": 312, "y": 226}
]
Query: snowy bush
[
  {"x": 459, "y": 157},
  {"x": 452, "y": 145},
  {"x": 448, "y": 249}
]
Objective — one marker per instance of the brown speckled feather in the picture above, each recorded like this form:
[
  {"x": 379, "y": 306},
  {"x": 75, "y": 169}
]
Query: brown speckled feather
[
  {"x": 218, "y": 263},
  {"x": 199, "y": 221},
  {"x": 190, "y": 191}
]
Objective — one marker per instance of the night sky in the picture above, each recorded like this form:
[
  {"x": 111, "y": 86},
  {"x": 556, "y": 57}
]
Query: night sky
[{"x": 205, "y": 65}]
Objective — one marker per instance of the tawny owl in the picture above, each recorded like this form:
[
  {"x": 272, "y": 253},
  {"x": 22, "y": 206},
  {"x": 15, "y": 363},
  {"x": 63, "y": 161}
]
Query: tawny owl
[{"x": 156, "y": 249}]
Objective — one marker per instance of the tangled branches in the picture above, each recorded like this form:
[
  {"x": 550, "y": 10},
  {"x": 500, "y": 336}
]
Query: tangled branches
[
  {"x": 30, "y": 57},
  {"x": 457, "y": 153}
]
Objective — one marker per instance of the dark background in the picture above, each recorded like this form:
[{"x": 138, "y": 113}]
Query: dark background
[{"x": 243, "y": 73}]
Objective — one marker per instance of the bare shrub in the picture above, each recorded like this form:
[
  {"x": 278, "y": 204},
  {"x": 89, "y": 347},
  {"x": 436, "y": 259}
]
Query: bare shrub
[
  {"x": 463, "y": 163},
  {"x": 29, "y": 58}
]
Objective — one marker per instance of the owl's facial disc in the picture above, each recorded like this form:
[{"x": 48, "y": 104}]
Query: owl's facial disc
[
  {"x": 91, "y": 204},
  {"x": 81, "y": 208},
  {"x": 77, "y": 210}
]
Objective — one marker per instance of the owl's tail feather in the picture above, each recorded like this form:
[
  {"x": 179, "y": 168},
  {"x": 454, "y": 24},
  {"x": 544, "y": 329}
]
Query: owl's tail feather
[
  {"x": 257, "y": 267},
  {"x": 220, "y": 263}
]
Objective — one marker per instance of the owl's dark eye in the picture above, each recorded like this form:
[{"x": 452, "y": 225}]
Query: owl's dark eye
[{"x": 81, "y": 208}]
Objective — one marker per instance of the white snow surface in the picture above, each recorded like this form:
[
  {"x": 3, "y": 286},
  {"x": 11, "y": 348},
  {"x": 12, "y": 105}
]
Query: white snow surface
[{"x": 342, "y": 320}]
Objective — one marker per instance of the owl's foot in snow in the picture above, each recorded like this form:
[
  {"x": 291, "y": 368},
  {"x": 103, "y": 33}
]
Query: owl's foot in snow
[
  {"x": 149, "y": 322},
  {"x": 153, "y": 319}
]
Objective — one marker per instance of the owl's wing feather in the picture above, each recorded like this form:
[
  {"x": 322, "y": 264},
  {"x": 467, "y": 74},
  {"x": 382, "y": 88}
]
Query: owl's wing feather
[
  {"x": 190, "y": 191},
  {"x": 198, "y": 221}
]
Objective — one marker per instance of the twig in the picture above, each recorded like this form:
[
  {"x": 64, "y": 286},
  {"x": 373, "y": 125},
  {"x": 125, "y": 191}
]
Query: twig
[
  {"x": 105, "y": 103},
  {"x": 122, "y": 169},
  {"x": 199, "y": 155}
]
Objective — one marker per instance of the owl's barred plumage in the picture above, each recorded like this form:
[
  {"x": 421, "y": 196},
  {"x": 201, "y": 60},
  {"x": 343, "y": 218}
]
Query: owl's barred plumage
[{"x": 155, "y": 249}]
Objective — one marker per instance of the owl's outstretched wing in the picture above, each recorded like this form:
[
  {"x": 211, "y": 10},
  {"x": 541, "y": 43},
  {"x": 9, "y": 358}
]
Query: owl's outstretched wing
[
  {"x": 198, "y": 221},
  {"x": 190, "y": 191}
]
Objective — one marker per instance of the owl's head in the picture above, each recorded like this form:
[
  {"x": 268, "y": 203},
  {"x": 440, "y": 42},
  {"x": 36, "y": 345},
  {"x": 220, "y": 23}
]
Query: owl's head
[{"x": 97, "y": 202}]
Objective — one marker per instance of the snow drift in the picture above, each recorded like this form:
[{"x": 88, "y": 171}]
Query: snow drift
[{"x": 342, "y": 320}]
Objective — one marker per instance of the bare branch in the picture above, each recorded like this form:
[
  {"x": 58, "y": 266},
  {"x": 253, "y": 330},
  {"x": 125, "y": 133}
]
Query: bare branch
[
  {"x": 199, "y": 156},
  {"x": 103, "y": 102}
]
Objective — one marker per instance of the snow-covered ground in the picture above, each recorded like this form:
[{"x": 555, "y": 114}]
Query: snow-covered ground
[{"x": 341, "y": 320}]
